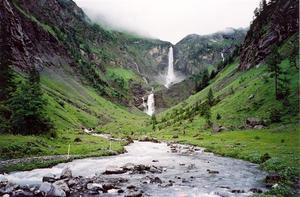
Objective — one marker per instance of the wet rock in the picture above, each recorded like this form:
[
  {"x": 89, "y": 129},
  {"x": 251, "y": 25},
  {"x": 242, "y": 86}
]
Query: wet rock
[
  {"x": 62, "y": 185},
  {"x": 128, "y": 166},
  {"x": 154, "y": 169},
  {"x": 22, "y": 193},
  {"x": 50, "y": 178},
  {"x": 3, "y": 181},
  {"x": 108, "y": 186},
  {"x": 66, "y": 173},
  {"x": 131, "y": 187},
  {"x": 140, "y": 169},
  {"x": 212, "y": 171},
  {"x": 154, "y": 161},
  {"x": 94, "y": 186},
  {"x": 256, "y": 190},
  {"x": 156, "y": 180},
  {"x": 45, "y": 188},
  {"x": 272, "y": 179},
  {"x": 134, "y": 194},
  {"x": 113, "y": 191},
  {"x": 237, "y": 191},
  {"x": 114, "y": 170}
]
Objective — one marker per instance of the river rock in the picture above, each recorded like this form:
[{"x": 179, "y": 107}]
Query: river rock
[
  {"x": 156, "y": 180},
  {"x": 22, "y": 193},
  {"x": 108, "y": 186},
  {"x": 128, "y": 166},
  {"x": 62, "y": 185},
  {"x": 45, "y": 188},
  {"x": 50, "y": 178},
  {"x": 66, "y": 173},
  {"x": 3, "y": 180},
  {"x": 256, "y": 190},
  {"x": 133, "y": 194},
  {"x": 154, "y": 169},
  {"x": 94, "y": 186},
  {"x": 114, "y": 170}
]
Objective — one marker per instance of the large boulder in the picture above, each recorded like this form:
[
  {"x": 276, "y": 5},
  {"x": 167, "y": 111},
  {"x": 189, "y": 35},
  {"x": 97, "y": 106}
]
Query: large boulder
[
  {"x": 66, "y": 173},
  {"x": 114, "y": 170},
  {"x": 50, "y": 178},
  {"x": 3, "y": 180},
  {"x": 50, "y": 190}
]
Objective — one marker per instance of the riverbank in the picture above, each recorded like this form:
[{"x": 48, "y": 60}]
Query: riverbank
[
  {"x": 29, "y": 152},
  {"x": 275, "y": 149}
]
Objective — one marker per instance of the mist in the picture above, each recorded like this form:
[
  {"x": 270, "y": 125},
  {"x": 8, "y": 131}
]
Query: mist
[{"x": 170, "y": 20}]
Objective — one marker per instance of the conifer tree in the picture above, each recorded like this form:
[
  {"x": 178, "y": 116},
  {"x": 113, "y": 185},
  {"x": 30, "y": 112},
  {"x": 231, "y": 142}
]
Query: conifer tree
[
  {"x": 28, "y": 107},
  {"x": 210, "y": 97}
]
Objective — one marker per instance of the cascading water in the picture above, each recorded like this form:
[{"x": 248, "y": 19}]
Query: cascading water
[
  {"x": 150, "y": 104},
  {"x": 170, "y": 78},
  {"x": 222, "y": 55}
]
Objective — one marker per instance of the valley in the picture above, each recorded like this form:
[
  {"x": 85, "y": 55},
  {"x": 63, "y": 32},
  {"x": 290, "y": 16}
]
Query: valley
[{"x": 144, "y": 116}]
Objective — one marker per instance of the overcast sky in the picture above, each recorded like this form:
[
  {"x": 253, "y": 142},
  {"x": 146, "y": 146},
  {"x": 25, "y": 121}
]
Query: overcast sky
[{"x": 171, "y": 20}]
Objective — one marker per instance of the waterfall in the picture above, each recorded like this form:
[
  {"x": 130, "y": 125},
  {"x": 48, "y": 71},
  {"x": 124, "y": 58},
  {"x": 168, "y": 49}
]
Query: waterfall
[
  {"x": 150, "y": 104},
  {"x": 222, "y": 55},
  {"x": 170, "y": 78}
]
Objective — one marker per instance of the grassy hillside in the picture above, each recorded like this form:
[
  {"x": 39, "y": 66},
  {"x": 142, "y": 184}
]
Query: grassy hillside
[
  {"x": 240, "y": 95},
  {"x": 72, "y": 106}
]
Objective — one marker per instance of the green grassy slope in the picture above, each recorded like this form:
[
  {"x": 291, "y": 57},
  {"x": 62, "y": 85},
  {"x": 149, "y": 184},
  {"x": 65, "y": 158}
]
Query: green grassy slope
[
  {"x": 240, "y": 95},
  {"x": 72, "y": 106}
]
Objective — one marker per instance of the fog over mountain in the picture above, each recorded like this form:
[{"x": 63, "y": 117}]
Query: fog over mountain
[{"x": 170, "y": 20}]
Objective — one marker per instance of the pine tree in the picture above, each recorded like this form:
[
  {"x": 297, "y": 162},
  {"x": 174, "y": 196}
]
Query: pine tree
[
  {"x": 7, "y": 86},
  {"x": 210, "y": 97},
  {"x": 205, "y": 78},
  {"x": 273, "y": 62},
  {"x": 28, "y": 107}
]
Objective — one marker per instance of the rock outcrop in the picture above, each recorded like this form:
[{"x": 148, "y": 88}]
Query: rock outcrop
[{"x": 275, "y": 23}]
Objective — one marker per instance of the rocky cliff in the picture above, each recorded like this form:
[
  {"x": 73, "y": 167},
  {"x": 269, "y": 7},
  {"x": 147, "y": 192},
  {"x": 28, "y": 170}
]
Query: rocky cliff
[
  {"x": 194, "y": 52},
  {"x": 57, "y": 35},
  {"x": 274, "y": 23}
]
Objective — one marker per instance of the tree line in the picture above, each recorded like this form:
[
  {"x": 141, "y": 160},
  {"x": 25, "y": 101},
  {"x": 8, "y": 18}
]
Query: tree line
[{"x": 22, "y": 105}]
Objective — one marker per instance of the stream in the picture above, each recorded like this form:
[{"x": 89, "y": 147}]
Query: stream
[{"x": 185, "y": 171}]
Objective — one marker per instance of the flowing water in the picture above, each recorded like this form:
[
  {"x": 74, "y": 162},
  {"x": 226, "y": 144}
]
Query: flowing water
[
  {"x": 150, "y": 104},
  {"x": 170, "y": 78},
  {"x": 189, "y": 171}
]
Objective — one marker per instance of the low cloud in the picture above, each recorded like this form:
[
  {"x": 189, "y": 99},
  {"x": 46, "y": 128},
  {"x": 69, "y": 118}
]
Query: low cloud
[{"x": 170, "y": 20}]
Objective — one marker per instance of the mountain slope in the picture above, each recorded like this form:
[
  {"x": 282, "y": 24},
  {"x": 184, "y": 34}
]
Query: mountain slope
[{"x": 195, "y": 53}]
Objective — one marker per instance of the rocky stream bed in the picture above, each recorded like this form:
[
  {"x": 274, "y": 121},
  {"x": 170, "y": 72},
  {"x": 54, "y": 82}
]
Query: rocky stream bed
[{"x": 146, "y": 169}]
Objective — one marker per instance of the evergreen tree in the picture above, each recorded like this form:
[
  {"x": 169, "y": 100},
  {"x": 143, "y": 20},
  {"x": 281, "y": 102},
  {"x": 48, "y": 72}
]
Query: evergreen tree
[
  {"x": 205, "y": 78},
  {"x": 7, "y": 86},
  {"x": 273, "y": 62},
  {"x": 210, "y": 97},
  {"x": 28, "y": 107},
  {"x": 207, "y": 114}
]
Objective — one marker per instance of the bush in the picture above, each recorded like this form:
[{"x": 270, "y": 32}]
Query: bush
[{"x": 275, "y": 115}]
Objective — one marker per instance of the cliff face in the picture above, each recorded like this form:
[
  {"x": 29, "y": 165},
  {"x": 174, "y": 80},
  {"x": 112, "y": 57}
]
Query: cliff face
[
  {"x": 194, "y": 52},
  {"x": 24, "y": 43},
  {"x": 57, "y": 35},
  {"x": 276, "y": 22}
]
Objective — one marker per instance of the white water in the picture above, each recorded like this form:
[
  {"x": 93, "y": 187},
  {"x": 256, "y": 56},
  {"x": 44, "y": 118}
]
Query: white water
[
  {"x": 222, "y": 55},
  {"x": 170, "y": 78},
  {"x": 233, "y": 173},
  {"x": 150, "y": 104}
]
